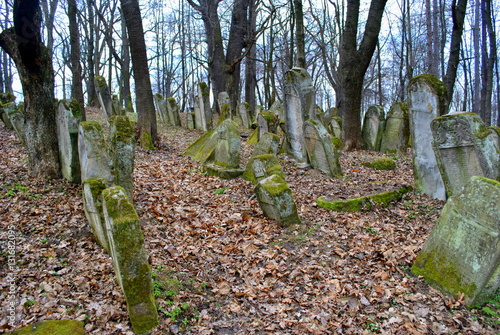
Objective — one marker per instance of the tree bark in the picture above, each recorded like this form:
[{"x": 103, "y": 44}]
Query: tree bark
[
  {"x": 34, "y": 65},
  {"x": 353, "y": 63},
  {"x": 143, "y": 91},
  {"x": 76, "y": 67},
  {"x": 250, "y": 62},
  {"x": 300, "y": 39}
]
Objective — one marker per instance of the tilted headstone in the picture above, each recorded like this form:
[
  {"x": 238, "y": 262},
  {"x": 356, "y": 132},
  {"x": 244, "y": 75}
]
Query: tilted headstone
[
  {"x": 462, "y": 253},
  {"x": 93, "y": 152},
  {"x": 173, "y": 112},
  {"x": 122, "y": 146},
  {"x": 161, "y": 108},
  {"x": 269, "y": 143},
  {"x": 92, "y": 205},
  {"x": 130, "y": 260},
  {"x": 322, "y": 153},
  {"x": 104, "y": 96},
  {"x": 464, "y": 147},
  {"x": 227, "y": 149},
  {"x": 244, "y": 109},
  {"x": 15, "y": 114},
  {"x": 426, "y": 96},
  {"x": 300, "y": 105},
  {"x": 69, "y": 116},
  {"x": 262, "y": 166},
  {"x": 373, "y": 128},
  {"x": 397, "y": 130},
  {"x": 204, "y": 119},
  {"x": 276, "y": 200}
]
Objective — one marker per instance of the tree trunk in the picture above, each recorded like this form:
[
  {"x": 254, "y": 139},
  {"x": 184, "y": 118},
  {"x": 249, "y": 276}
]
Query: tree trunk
[
  {"x": 76, "y": 68},
  {"x": 300, "y": 38},
  {"x": 34, "y": 66},
  {"x": 91, "y": 92},
  {"x": 489, "y": 56},
  {"x": 144, "y": 94},
  {"x": 353, "y": 63},
  {"x": 250, "y": 62},
  {"x": 126, "y": 93}
]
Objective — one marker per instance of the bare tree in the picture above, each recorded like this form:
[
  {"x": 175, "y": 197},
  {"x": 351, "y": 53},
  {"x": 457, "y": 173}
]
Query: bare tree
[{"x": 76, "y": 67}]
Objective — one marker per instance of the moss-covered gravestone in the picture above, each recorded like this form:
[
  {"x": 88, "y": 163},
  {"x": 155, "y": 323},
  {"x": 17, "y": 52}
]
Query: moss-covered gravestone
[
  {"x": 161, "y": 108},
  {"x": 93, "y": 152},
  {"x": 228, "y": 146},
  {"x": 427, "y": 97},
  {"x": 373, "y": 128},
  {"x": 462, "y": 253},
  {"x": 262, "y": 166},
  {"x": 203, "y": 114},
  {"x": 267, "y": 122},
  {"x": 276, "y": 200},
  {"x": 397, "y": 130},
  {"x": 130, "y": 260},
  {"x": 321, "y": 151},
  {"x": 464, "y": 147},
  {"x": 68, "y": 118},
  {"x": 15, "y": 114},
  {"x": 244, "y": 109},
  {"x": 92, "y": 205},
  {"x": 269, "y": 143},
  {"x": 52, "y": 327},
  {"x": 173, "y": 112},
  {"x": 104, "y": 96},
  {"x": 122, "y": 148},
  {"x": 202, "y": 150}
]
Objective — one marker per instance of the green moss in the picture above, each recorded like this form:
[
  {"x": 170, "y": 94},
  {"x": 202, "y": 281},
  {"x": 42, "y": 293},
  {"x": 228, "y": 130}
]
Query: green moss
[
  {"x": 6, "y": 98},
  {"x": 204, "y": 89},
  {"x": 254, "y": 137},
  {"x": 159, "y": 96},
  {"x": 269, "y": 116},
  {"x": 73, "y": 106},
  {"x": 146, "y": 141},
  {"x": 123, "y": 131},
  {"x": 53, "y": 327},
  {"x": 91, "y": 126},
  {"x": 437, "y": 85},
  {"x": 495, "y": 129},
  {"x": 97, "y": 185},
  {"x": 483, "y": 131},
  {"x": 337, "y": 143},
  {"x": 383, "y": 163},
  {"x": 100, "y": 81},
  {"x": 275, "y": 186}
]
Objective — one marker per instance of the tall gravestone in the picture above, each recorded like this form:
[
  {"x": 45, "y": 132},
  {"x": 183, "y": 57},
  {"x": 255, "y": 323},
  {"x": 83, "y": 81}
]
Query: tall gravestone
[
  {"x": 227, "y": 149},
  {"x": 322, "y": 153},
  {"x": 161, "y": 108},
  {"x": 6, "y": 98},
  {"x": 373, "y": 127},
  {"x": 173, "y": 112},
  {"x": 464, "y": 147},
  {"x": 224, "y": 103},
  {"x": 244, "y": 109},
  {"x": 462, "y": 253},
  {"x": 427, "y": 96},
  {"x": 93, "y": 152},
  {"x": 104, "y": 96},
  {"x": 68, "y": 118},
  {"x": 92, "y": 205},
  {"x": 204, "y": 118},
  {"x": 15, "y": 114},
  {"x": 122, "y": 146},
  {"x": 397, "y": 130},
  {"x": 300, "y": 105}
]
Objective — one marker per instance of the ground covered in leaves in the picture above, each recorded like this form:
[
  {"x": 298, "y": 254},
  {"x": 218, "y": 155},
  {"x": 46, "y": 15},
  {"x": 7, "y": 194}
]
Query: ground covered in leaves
[{"x": 219, "y": 266}]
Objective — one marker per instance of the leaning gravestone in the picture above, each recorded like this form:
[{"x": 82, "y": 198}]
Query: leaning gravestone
[
  {"x": 173, "y": 112},
  {"x": 122, "y": 146},
  {"x": 92, "y": 205},
  {"x": 262, "y": 166},
  {"x": 161, "y": 108},
  {"x": 464, "y": 147},
  {"x": 462, "y": 254},
  {"x": 104, "y": 96},
  {"x": 373, "y": 127},
  {"x": 300, "y": 105},
  {"x": 130, "y": 260},
  {"x": 93, "y": 152},
  {"x": 426, "y": 96},
  {"x": 322, "y": 153},
  {"x": 68, "y": 118},
  {"x": 397, "y": 130}
]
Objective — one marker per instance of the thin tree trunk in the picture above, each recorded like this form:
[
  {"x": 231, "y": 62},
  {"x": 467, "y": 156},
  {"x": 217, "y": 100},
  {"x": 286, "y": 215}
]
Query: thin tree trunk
[
  {"x": 76, "y": 68},
  {"x": 250, "y": 62},
  {"x": 300, "y": 37}
]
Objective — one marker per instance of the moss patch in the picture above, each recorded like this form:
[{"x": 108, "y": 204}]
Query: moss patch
[
  {"x": 146, "y": 141},
  {"x": 381, "y": 164},
  {"x": 53, "y": 327}
]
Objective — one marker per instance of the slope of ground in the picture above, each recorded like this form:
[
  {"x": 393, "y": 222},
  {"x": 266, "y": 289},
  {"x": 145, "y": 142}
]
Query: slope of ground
[{"x": 219, "y": 266}]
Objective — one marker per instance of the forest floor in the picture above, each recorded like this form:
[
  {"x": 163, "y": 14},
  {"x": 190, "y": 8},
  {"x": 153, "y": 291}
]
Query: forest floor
[{"x": 219, "y": 266}]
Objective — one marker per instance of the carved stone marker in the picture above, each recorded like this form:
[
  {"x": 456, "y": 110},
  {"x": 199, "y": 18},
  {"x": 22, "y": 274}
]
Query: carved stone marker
[
  {"x": 244, "y": 109},
  {"x": 227, "y": 149},
  {"x": 373, "y": 127},
  {"x": 269, "y": 143},
  {"x": 397, "y": 130},
  {"x": 104, "y": 96},
  {"x": 462, "y": 254},
  {"x": 426, "y": 96},
  {"x": 173, "y": 112},
  {"x": 464, "y": 147},
  {"x": 262, "y": 166},
  {"x": 161, "y": 108},
  {"x": 68, "y": 119},
  {"x": 92, "y": 205},
  {"x": 93, "y": 152},
  {"x": 204, "y": 116},
  {"x": 122, "y": 152},
  {"x": 319, "y": 145}
]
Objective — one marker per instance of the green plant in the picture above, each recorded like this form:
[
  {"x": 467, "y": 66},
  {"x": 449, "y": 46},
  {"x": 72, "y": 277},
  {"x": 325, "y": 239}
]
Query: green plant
[
  {"x": 371, "y": 231},
  {"x": 371, "y": 326},
  {"x": 18, "y": 188},
  {"x": 220, "y": 190},
  {"x": 30, "y": 303}
]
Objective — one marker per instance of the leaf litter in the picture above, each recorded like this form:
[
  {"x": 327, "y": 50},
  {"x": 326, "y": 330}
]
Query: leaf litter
[{"x": 238, "y": 272}]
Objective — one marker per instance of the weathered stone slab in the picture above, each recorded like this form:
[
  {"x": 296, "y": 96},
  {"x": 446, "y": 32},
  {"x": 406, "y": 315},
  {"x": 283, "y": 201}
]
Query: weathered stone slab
[
  {"x": 262, "y": 166},
  {"x": 227, "y": 149},
  {"x": 93, "y": 152},
  {"x": 462, "y": 253},
  {"x": 161, "y": 108},
  {"x": 373, "y": 128},
  {"x": 224, "y": 103},
  {"x": 202, "y": 150},
  {"x": 204, "y": 116},
  {"x": 15, "y": 114},
  {"x": 68, "y": 118},
  {"x": 336, "y": 126},
  {"x": 322, "y": 153},
  {"x": 52, "y": 327},
  {"x": 130, "y": 260},
  {"x": 267, "y": 121},
  {"x": 122, "y": 152},
  {"x": 276, "y": 200},
  {"x": 104, "y": 96},
  {"x": 92, "y": 205},
  {"x": 6, "y": 99},
  {"x": 190, "y": 120},
  {"x": 426, "y": 96},
  {"x": 173, "y": 112},
  {"x": 269, "y": 143},
  {"x": 300, "y": 105},
  {"x": 464, "y": 147},
  {"x": 244, "y": 109},
  {"x": 397, "y": 130}
]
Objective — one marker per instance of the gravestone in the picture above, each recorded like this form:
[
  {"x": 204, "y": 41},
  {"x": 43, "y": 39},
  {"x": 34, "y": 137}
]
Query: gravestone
[
  {"x": 300, "y": 105},
  {"x": 190, "y": 120},
  {"x": 15, "y": 114},
  {"x": 224, "y": 103},
  {"x": 462, "y": 253},
  {"x": 373, "y": 128},
  {"x": 464, "y": 147},
  {"x": 6, "y": 99},
  {"x": 104, "y": 96},
  {"x": 205, "y": 113},
  {"x": 268, "y": 144},
  {"x": 199, "y": 115},
  {"x": 262, "y": 166},
  {"x": 130, "y": 260},
  {"x": 427, "y": 96},
  {"x": 161, "y": 108},
  {"x": 202, "y": 150},
  {"x": 122, "y": 146},
  {"x": 322, "y": 153},
  {"x": 93, "y": 152},
  {"x": 397, "y": 130},
  {"x": 173, "y": 112},
  {"x": 336, "y": 126},
  {"x": 276, "y": 200},
  {"x": 267, "y": 121},
  {"x": 244, "y": 109},
  {"x": 227, "y": 149},
  {"x": 68, "y": 118},
  {"x": 92, "y": 205}
]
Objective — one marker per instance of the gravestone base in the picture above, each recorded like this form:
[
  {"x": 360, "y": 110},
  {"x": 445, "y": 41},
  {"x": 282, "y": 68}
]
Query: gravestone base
[{"x": 222, "y": 172}]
